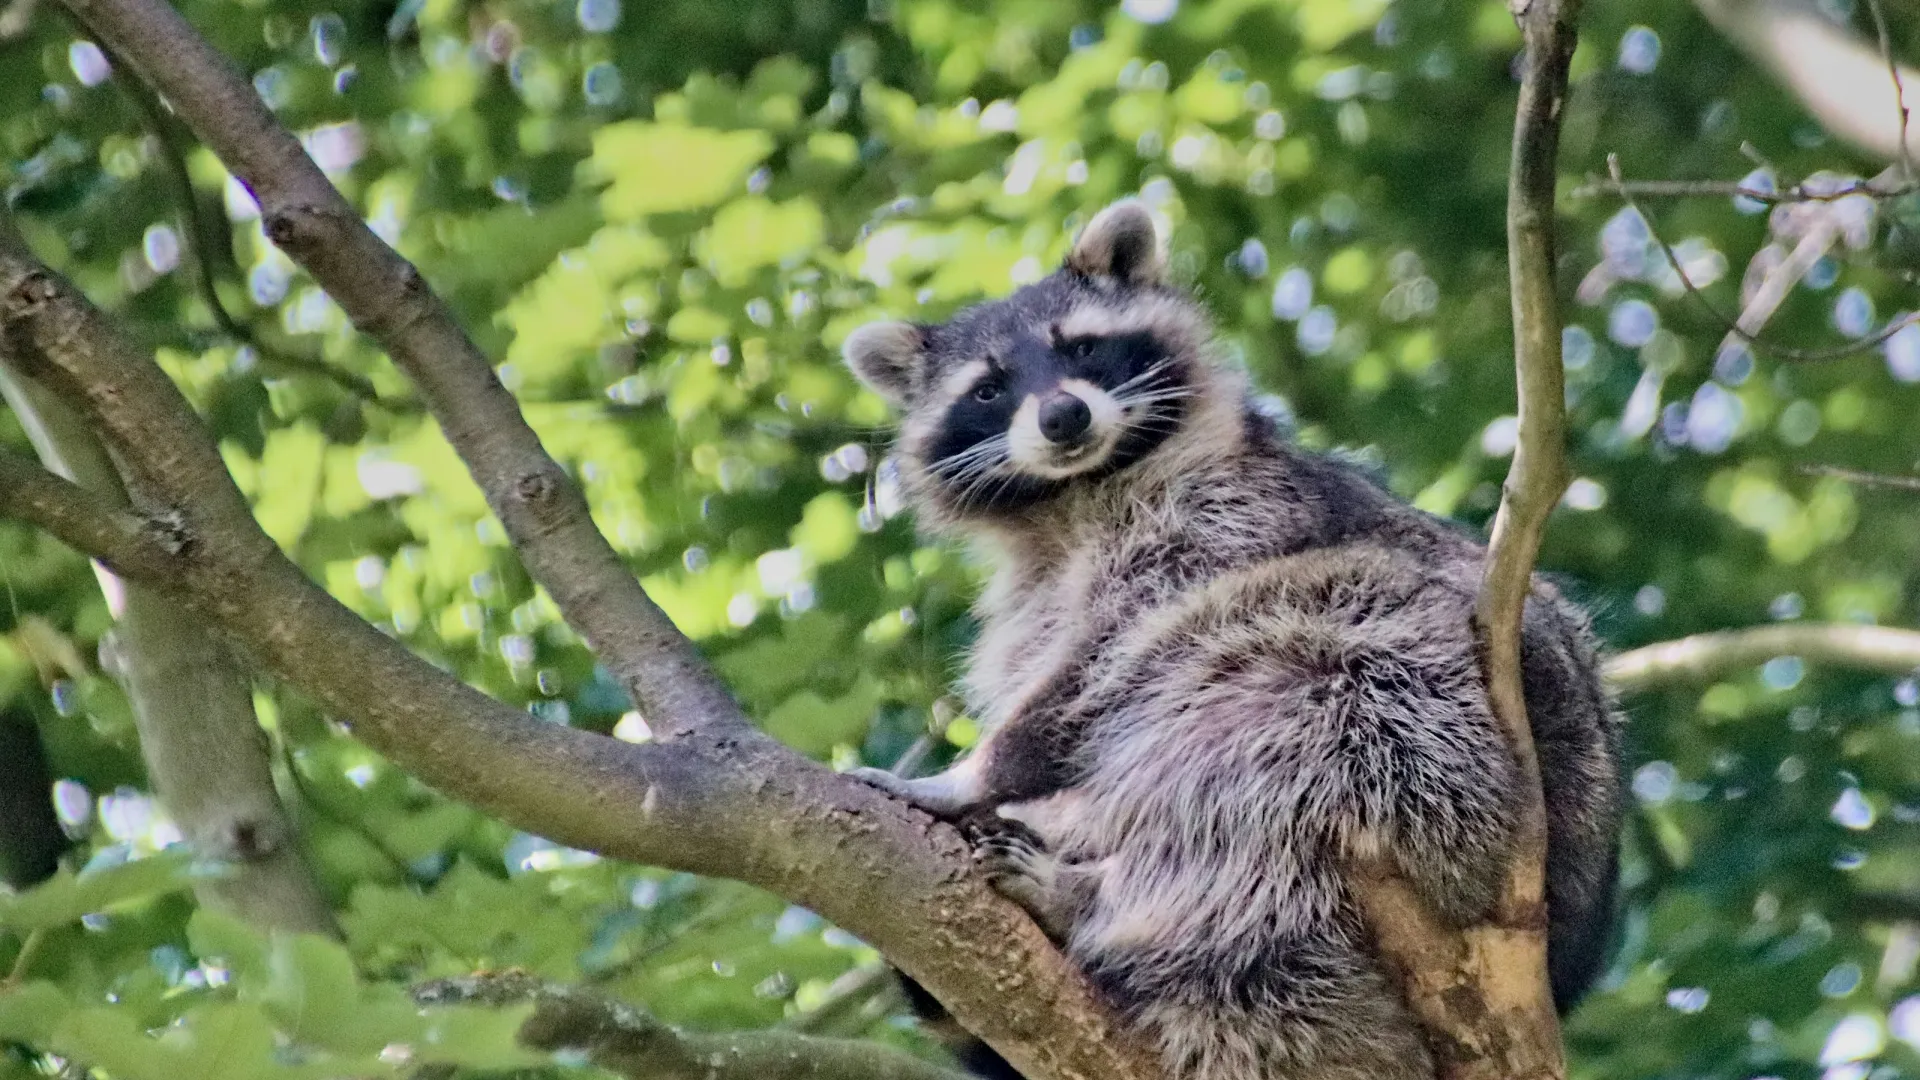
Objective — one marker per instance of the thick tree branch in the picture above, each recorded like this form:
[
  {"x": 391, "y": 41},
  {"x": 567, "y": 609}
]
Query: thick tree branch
[
  {"x": 627, "y": 1042},
  {"x": 86, "y": 522},
  {"x": 1704, "y": 657},
  {"x": 1482, "y": 993},
  {"x": 741, "y": 807},
  {"x": 193, "y": 707},
  {"x": 543, "y": 510}
]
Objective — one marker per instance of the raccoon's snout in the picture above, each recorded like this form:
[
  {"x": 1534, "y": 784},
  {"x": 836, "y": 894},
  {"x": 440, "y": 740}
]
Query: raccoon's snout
[{"x": 1064, "y": 418}]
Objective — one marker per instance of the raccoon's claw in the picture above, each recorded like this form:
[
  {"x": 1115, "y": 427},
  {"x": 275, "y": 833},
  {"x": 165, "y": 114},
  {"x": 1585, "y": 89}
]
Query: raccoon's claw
[
  {"x": 1014, "y": 858},
  {"x": 943, "y": 795}
]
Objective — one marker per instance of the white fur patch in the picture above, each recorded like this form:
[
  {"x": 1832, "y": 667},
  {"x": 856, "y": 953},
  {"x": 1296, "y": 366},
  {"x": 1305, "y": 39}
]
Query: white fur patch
[{"x": 1034, "y": 454}]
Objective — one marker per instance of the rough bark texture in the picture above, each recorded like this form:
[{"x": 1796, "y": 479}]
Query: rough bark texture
[
  {"x": 627, "y": 1042},
  {"x": 727, "y": 801},
  {"x": 206, "y": 756},
  {"x": 1482, "y": 993}
]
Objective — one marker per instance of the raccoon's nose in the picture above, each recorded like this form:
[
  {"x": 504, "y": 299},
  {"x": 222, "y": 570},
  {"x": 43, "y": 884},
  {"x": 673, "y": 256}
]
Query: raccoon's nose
[{"x": 1064, "y": 418}]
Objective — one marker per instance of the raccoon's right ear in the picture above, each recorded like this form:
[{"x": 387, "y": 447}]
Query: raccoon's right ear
[
  {"x": 884, "y": 356},
  {"x": 1121, "y": 243}
]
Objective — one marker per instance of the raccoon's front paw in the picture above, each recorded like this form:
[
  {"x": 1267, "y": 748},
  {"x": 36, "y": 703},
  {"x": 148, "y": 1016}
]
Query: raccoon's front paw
[
  {"x": 1017, "y": 864},
  {"x": 944, "y": 795}
]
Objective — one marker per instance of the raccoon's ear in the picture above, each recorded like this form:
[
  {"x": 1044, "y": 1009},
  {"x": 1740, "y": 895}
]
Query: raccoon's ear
[
  {"x": 884, "y": 356},
  {"x": 1121, "y": 243}
]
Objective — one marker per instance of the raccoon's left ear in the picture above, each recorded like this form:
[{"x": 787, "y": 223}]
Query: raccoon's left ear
[
  {"x": 884, "y": 356},
  {"x": 1121, "y": 243}
]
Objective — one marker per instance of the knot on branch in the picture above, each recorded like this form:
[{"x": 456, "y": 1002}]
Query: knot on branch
[
  {"x": 536, "y": 487},
  {"x": 34, "y": 291},
  {"x": 168, "y": 529},
  {"x": 245, "y": 840},
  {"x": 289, "y": 226}
]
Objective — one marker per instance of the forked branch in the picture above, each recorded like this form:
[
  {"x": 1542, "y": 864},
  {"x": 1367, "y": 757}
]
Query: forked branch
[
  {"x": 712, "y": 795},
  {"x": 1482, "y": 993}
]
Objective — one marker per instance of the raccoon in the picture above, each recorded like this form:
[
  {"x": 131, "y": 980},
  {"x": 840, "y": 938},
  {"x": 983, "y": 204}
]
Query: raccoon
[{"x": 1214, "y": 670}]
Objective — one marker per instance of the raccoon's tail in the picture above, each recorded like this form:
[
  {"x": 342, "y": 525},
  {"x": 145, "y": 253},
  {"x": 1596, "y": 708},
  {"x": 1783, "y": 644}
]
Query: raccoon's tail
[{"x": 973, "y": 1055}]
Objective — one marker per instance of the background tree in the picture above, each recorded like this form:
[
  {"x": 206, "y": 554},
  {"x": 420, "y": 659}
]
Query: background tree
[{"x": 659, "y": 222}]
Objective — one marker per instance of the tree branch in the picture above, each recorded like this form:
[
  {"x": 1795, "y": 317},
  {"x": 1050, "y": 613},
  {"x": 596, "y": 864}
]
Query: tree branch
[
  {"x": 543, "y": 511},
  {"x": 626, "y": 1041},
  {"x": 1482, "y": 993},
  {"x": 1772, "y": 291},
  {"x": 86, "y": 522},
  {"x": 1704, "y": 657},
  {"x": 1839, "y": 78},
  {"x": 741, "y": 807},
  {"x": 193, "y": 707}
]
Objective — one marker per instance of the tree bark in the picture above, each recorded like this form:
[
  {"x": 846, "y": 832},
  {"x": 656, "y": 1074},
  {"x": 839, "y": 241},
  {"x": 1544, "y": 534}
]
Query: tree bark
[{"x": 206, "y": 756}]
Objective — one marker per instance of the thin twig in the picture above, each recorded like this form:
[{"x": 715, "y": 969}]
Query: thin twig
[
  {"x": 1870, "y": 479},
  {"x": 1733, "y": 326},
  {"x": 1685, "y": 189},
  {"x": 309, "y": 798},
  {"x": 23, "y": 960},
  {"x": 200, "y": 239},
  {"x": 1899, "y": 87},
  {"x": 846, "y": 996}
]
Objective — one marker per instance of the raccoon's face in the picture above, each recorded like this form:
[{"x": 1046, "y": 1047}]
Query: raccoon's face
[{"x": 1067, "y": 381}]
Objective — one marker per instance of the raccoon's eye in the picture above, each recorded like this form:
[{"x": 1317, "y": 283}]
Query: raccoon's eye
[{"x": 986, "y": 391}]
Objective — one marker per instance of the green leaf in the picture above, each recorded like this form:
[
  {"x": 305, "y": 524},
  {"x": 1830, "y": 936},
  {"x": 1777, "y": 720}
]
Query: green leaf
[
  {"x": 67, "y": 897},
  {"x": 29, "y": 1013},
  {"x": 663, "y": 168}
]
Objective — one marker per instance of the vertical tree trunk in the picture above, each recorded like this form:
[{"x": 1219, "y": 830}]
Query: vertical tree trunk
[{"x": 206, "y": 756}]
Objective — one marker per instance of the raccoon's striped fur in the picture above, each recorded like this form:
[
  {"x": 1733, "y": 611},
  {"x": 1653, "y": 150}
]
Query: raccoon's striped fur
[{"x": 1213, "y": 669}]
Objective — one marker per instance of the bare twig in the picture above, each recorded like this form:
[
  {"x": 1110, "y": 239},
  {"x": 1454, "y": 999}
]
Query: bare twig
[
  {"x": 1746, "y": 327},
  {"x": 625, "y": 1041},
  {"x": 1686, "y": 189},
  {"x": 1867, "y": 479},
  {"x": 1704, "y": 657},
  {"x": 23, "y": 960},
  {"x": 1899, "y": 88},
  {"x": 848, "y": 996},
  {"x": 202, "y": 238}
]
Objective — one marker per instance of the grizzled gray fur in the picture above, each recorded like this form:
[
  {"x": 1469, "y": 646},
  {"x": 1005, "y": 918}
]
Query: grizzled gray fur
[{"x": 1215, "y": 669}]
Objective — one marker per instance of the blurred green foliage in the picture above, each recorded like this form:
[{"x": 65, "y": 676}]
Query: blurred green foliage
[{"x": 662, "y": 219}]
